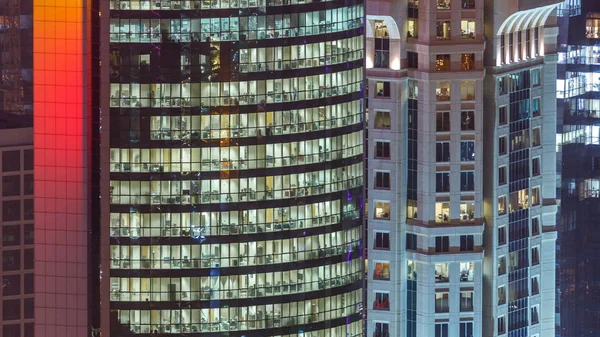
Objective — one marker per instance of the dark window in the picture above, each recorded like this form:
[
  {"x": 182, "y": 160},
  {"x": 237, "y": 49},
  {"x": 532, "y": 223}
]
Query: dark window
[
  {"x": 535, "y": 317},
  {"x": 11, "y": 210},
  {"x": 382, "y": 301},
  {"x": 11, "y": 309},
  {"x": 501, "y": 325},
  {"x": 11, "y": 161},
  {"x": 467, "y": 61},
  {"x": 466, "y": 301},
  {"x": 441, "y": 330},
  {"x": 382, "y": 330},
  {"x": 466, "y": 329},
  {"x": 382, "y": 180},
  {"x": 501, "y": 235},
  {"x": 442, "y": 121},
  {"x": 535, "y": 166},
  {"x": 29, "y": 330},
  {"x": 502, "y": 145},
  {"x": 468, "y": 4},
  {"x": 467, "y": 243},
  {"x": 535, "y": 256},
  {"x": 28, "y": 233},
  {"x": 535, "y": 286},
  {"x": 28, "y": 284},
  {"x": 11, "y": 186},
  {"x": 11, "y": 285},
  {"x": 28, "y": 307},
  {"x": 11, "y": 235},
  {"x": 442, "y": 62},
  {"x": 467, "y": 120},
  {"x": 535, "y": 226},
  {"x": 11, "y": 260},
  {"x": 442, "y": 182},
  {"x": 502, "y": 115},
  {"x": 442, "y": 244},
  {"x": 28, "y": 160},
  {"x": 441, "y": 302},
  {"x": 11, "y": 330},
  {"x": 535, "y": 107},
  {"x": 413, "y": 59},
  {"x": 28, "y": 259},
  {"x": 28, "y": 209},
  {"x": 382, "y": 150},
  {"x": 467, "y": 181},
  {"x": 382, "y": 240},
  {"x": 411, "y": 241},
  {"x": 502, "y": 175},
  {"x": 467, "y": 150},
  {"x": 382, "y": 52},
  {"x": 442, "y": 152},
  {"x": 28, "y": 184}
]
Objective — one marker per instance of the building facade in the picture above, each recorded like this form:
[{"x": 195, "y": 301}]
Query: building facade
[
  {"x": 579, "y": 155},
  {"x": 461, "y": 168},
  {"x": 210, "y": 167}
]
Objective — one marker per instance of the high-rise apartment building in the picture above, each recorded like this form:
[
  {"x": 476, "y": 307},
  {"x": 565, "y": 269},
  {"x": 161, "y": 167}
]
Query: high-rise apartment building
[
  {"x": 461, "y": 175},
  {"x": 199, "y": 167},
  {"x": 579, "y": 165}
]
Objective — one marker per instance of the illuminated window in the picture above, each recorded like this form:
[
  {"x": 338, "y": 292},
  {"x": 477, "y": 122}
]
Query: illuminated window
[
  {"x": 592, "y": 26},
  {"x": 443, "y": 4},
  {"x": 441, "y": 302},
  {"x": 467, "y": 271},
  {"x": 441, "y": 273},
  {"x": 413, "y": 27},
  {"x": 413, "y": 3},
  {"x": 442, "y": 62},
  {"x": 466, "y": 301},
  {"x": 442, "y": 211},
  {"x": 382, "y": 301},
  {"x": 467, "y": 29},
  {"x": 467, "y": 91},
  {"x": 381, "y": 30},
  {"x": 467, "y": 211},
  {"x": 382, "y": 120},
  {"x": 467, "y": 61},
  {"x": 381, "y": 271},
  {"x": 443, "y": 30},
  {"x": 442, "y": 91},
  {"x": 383, "y": 89},
  {"x": 382, "y": 210},
  {"x": 412, "y": 270}
]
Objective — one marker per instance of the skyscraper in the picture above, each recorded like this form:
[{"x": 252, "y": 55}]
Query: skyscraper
[
  {"x": 227, "y": 194},
  {"x": 461, "y": 182}
]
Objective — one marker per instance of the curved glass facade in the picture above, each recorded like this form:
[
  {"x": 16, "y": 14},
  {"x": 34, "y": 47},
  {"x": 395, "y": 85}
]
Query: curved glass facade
[{"x": 236, "y": 167}]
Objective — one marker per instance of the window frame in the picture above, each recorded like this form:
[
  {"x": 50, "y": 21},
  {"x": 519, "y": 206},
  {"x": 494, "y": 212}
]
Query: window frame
[
  {"x": 382, "y": 180},
  {"x": 442, "y": 244},
  {"x": 380, "y": 240}
]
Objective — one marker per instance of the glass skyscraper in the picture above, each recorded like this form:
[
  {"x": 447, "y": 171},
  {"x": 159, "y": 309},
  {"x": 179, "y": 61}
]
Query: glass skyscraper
[{"x": 236, "y": 164}]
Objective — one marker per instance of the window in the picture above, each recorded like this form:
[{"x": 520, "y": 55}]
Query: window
[
  {"x": 468, "y": 4},
  {"x": 442, "y": 121},
  {"x": 501, "y": 325},
  {"x": 413, "y": 3},
  {"x": 502, "y": 119},
  {"x": 413, "y": 59},
  {"x": 443, "y": 30},
  {"x": 28, "y": 307},
  {"x": 442, "y": 244},
  {"x": 442, "y": 209},
  {"x": 502, "y": 265},
  {"x": 11, "y": 285},
  {"x": 28, "y": 233},
  {"x": 382, "y": 271},
  {"x": 535, "y": 317},
  {"x": 501, "y": 235},
  {"x": 502, "y": 81},
  {"x": 535, "y": 107},
  {"x": 501, "y": 295},
  {"x": 535, "y": 285},
  {"x": 535, "y": 196},
  {"x": 382, "y": 301},
  {"x": 467, "y": 181},
  {"x": 11, "y": 210},
  {"x": 467, "y": 150},
  {"x": 411, "y": 241},
  {"x": 467, "y": 29},
  {"x": 442, "y": 182},
  {"x": 466, "y": 328},
  {"x": 467, "y": 120},
  {"x": 535, "y": 166},
  {"x": 11, "y": 186},
  {"x": 382, "y": 150},
  {"x": 467, "y": 243},
  {"x": 11, "y": 235},
  {"x": 467, "y": 272},
  {"x": 382, "y": 120},
  {"x": 466, "y": 301},
  {"x": 535, "y": 226},
  {"x": 441, "y": 273},
  {"x": 467, "y": 61},
  {"x": 382, "y": 180},
  {"x": 592, "y": 26},
  {"x": 502, "y": 205},
  {"x": 467, "y": 92},
  {"x": 382, "y": 240},
  {"x": 382, "y": 210},
  {"x": 441, "y": 330},
  {"x": 411, "y": 271},
  {"x": 29, "y": 330},
  {"x": 382, "y": 52},
  {"x": 413, "y": 28},
  {"x": 502, "y": 145},
  {"x": 442, "y": 152},
  {"x": 383, "y": 89},
  {"x": 382, "y": 330},
  {"x": 11, "y": 309},
  {"x": 443, "y": 4},
  {"x": 28, "y": 184},
  {"x": 28, "y": 209},
  {"x": 536, "y": 138},
  {"x": 11, "y": 161},
  {"x": 535, "y": 255},
  {"x": 502, "y": 175},
  {"x": 442, "y": 62},
  {"x": 441, "y": 302},
  {"x": 442, "y": 91},
  {"x": 28, "y": 259}
]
